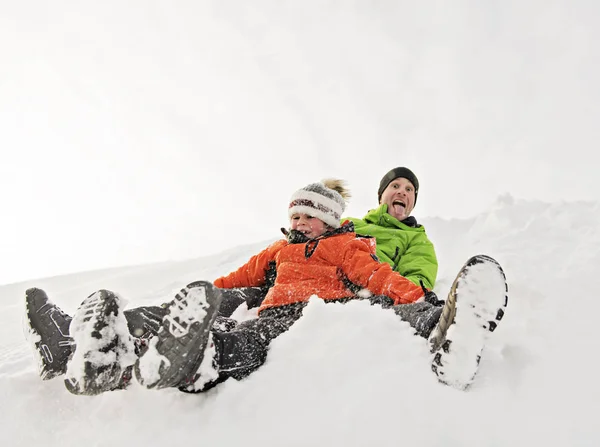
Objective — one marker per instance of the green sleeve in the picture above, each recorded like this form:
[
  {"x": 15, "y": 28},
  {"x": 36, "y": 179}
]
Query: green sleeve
[{"x": 419, "y": 262}]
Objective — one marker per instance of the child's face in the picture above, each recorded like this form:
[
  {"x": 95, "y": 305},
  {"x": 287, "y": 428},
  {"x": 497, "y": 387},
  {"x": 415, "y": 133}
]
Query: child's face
[{"x": 310, "y": 226}]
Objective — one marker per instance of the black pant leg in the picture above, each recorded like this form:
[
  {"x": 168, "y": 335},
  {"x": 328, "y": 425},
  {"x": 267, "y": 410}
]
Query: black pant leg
[
  {"x": 144, "y": 321},
  {"x": 232, "y": 298},
  {"x": 242, "y": 350}
]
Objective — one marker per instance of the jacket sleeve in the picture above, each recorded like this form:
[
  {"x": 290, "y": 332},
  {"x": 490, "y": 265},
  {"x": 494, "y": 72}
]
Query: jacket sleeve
[
  {"x": 419, "y": 262},
  {"x": 253, "y": 272},
  {"x": 362, "y": 269}
]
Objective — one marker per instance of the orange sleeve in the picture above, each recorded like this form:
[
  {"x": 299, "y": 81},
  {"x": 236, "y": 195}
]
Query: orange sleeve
[
  {"x": 253, "y": 272},
  {"x": 362, "y": 269}
]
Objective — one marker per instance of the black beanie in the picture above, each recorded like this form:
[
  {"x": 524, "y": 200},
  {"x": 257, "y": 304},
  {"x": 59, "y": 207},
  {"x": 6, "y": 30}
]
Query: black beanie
[{"x": 393, "y": 175}]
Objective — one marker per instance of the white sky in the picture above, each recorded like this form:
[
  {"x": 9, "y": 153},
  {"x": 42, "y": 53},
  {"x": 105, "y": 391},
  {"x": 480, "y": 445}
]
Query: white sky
[{"x": 140, "y": 131}]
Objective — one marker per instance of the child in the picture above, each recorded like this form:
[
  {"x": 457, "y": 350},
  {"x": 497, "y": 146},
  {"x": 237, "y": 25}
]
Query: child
[{"x": 319, "y": 257}]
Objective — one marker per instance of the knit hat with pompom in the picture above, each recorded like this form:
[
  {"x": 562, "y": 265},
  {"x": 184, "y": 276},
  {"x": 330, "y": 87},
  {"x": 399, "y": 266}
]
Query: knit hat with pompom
[{"x": 325, "y": 200}]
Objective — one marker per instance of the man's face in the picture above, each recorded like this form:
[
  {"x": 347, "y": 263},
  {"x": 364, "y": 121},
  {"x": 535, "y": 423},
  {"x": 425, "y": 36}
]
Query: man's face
[{"x": 399, "y": 197}]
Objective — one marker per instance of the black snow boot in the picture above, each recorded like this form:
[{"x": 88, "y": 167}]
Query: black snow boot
[
  {"x": 104, "y": 350},
  {"x": 49, "y": 333},
  {"x": 173, "y": 357}
]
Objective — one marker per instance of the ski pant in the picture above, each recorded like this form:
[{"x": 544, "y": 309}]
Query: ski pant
[
  {"x": 243, "y": 348},
  {"x": 233, "y": 298}
]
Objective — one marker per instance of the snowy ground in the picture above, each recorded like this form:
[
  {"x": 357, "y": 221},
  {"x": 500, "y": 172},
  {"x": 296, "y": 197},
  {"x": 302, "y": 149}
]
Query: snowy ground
[{"x": 353, "y": 375}]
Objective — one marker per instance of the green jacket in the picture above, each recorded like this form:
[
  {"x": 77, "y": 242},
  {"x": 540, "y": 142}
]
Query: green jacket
[{"x": 407, "y": 249}]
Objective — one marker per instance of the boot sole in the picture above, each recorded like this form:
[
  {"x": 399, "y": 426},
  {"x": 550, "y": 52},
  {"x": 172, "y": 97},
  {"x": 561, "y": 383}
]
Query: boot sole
[
  {"x": 476, "y": 304},
  {"x": 175, "y": 354},
  {"x": 102, "y": 354}
]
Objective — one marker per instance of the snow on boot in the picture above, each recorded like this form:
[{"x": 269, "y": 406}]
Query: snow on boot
[
  {"x": 48, "y": 331},
  {"x": 173, "y": 357},
  {"x": 473, "y": 309},
  {"x": 104, "y": 350}
]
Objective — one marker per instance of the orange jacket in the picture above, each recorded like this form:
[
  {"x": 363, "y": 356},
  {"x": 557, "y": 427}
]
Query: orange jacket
[{"x": 301, "y": 274}]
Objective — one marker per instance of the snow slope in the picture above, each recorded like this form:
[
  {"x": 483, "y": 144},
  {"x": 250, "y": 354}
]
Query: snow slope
[{"x": 353, "y": 375}]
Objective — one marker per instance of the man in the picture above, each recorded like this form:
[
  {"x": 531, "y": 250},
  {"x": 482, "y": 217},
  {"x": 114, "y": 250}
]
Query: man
[{"x": 401, "y": 241}]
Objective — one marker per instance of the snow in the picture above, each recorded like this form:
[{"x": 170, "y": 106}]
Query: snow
[{"x": 353, "y": 374}]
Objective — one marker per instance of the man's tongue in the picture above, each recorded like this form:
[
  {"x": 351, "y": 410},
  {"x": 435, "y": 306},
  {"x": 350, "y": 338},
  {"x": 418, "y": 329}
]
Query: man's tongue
[{"x": 398, "y": 208}]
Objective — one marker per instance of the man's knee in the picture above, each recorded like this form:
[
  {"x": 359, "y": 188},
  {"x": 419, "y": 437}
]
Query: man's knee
[
  {"x": 233, "y": 298},
  {"x": 144, "y": 321}
]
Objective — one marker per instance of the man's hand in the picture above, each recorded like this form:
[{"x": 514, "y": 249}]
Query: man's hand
[{"x": 431, "y": 297}]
